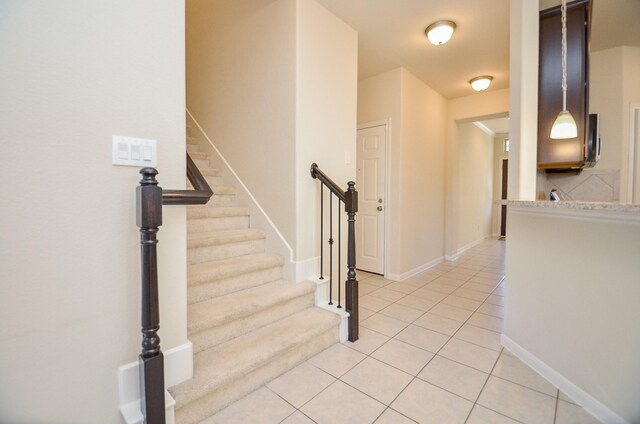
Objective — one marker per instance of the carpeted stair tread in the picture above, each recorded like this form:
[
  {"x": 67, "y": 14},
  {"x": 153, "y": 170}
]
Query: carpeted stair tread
[
  {"x": 197, "y": 212},
  {"x": 221, "y": 190},
  {"x": 225, "y": 268},
  {"x": 199, "y": 155},
  {"x": 237, "y": 305},
  {"x": 227, "y": 362},
  {"x": 210, "y": 172},
  {"x": 216, "y": 238}
]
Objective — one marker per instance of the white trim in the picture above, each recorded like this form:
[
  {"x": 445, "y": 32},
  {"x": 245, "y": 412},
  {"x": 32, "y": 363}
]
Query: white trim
[
  {"x": 471, "y": 245},
  {"x": 631, "y": 177},
  {"x": 178, "y": 367},
  {"x": 583, "y": 214},
  {"x": 306, "y": 269},
  {"x": 387, "y": 182},
  {"x": 484, "y": 128},
  {"x": 290, "y": 271},
  {"x": 414, "y": 271},
  {"x": 588, "y": 402}
]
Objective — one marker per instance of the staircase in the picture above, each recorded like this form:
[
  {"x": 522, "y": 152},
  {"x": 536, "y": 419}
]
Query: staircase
[{"x": 246, "y": 324}]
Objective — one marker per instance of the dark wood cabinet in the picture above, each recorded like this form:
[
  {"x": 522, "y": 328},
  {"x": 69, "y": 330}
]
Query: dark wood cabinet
[{"x": 570, "y": 153}]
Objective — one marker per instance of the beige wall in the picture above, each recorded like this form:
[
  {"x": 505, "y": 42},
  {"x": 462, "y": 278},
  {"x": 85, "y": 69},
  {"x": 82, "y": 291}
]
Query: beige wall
[
  {"x": 488, "y": 104},
  {"x": 475, "y": 164},
  {"x": 416, "y": 164},
  {"x": 277, "y": 102},
  {"x": 241, "y": 88},
  {"x": 326, "y": 96},
  {"x": 72, "y": 76},
  {"x": 571, "y": 300}
]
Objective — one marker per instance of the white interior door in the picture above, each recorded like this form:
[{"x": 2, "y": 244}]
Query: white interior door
[{"x": 370, "y": 183}]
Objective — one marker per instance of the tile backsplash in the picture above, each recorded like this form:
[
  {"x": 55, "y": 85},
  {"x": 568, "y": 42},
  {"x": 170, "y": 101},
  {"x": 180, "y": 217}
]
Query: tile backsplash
[{"x": 589, "y": 186}]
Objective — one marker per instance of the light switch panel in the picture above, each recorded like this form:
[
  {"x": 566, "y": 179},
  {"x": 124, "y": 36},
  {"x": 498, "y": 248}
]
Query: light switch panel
[{"x": 133, "y": 151}]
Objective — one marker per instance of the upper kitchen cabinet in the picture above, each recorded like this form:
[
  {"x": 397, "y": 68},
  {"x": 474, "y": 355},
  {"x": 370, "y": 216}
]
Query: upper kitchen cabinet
[{"x": 568, "y": 154}]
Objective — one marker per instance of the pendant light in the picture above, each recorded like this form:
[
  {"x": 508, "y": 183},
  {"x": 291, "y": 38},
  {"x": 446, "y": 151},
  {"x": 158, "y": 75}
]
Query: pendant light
[{"x": 564, "y": 126}]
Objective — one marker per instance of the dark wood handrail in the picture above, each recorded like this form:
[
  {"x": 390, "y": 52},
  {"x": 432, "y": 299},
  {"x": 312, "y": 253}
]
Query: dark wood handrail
[
  {"x": 199, "y": 196},
  {"x": 149, "y": 198},
  {"x": 317, "y": 173}
]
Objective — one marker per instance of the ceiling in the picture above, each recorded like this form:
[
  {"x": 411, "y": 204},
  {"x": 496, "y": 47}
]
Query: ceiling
[{"x": 391, "y": 34}]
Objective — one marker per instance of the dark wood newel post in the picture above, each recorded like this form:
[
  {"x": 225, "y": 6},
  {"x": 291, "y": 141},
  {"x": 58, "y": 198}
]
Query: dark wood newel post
[
  {"x": 149, "y": 218},
  {"x": 351, "y": 285}
]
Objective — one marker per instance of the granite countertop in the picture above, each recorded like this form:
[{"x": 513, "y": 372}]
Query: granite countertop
[{"x": 585, "y": 206}]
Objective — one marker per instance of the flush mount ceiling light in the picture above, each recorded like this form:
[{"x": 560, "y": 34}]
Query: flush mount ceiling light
[
  {"x": 481, "y": 83},
  {"x": 440, "y": 32},
  {"x": 564, "y": 126}
]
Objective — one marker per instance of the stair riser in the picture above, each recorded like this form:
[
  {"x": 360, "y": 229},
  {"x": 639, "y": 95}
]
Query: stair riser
[
  {"x": 193, "y": 148},
  {"x": 222, "y": 199},
  {"x": 215, "y": 224},
  {"x": 202, "y": 163},
  {"x": 206, "y": 290},
  {"x": 227, "y": 331},
  {"x": 219, "y": 398},
  {"x": 224, "y": 251},
  {"x": 214, "y": 181}
]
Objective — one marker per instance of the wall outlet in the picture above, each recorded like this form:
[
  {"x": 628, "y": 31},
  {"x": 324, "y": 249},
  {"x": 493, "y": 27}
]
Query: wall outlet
[{"x": 132, "y": 151}]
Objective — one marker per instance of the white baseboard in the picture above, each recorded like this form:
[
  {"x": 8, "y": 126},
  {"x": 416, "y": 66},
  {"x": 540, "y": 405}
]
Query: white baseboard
[
  {"x": 588, "y": 402},
  {"x": 460, "y": 251},
  {"x": 178, "y": 367},
  {"x": 344, "y": 320},
  {"x": 414, "y": 271}
]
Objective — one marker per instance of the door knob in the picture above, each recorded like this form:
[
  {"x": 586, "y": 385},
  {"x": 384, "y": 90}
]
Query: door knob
[{"x": 379, "y": 208}]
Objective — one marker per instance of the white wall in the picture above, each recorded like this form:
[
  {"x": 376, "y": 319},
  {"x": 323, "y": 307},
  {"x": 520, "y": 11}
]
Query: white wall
[
  {"x": 274, "y": 85},
  {"x": 475, "y": 164},
  {"x": 571, "y": 301},
  {"x": 488, "y": 104},
  {"x": 416, "y": 164},
  {"x": 72, "y": 76},
  {"x": 241, "y": 88}
]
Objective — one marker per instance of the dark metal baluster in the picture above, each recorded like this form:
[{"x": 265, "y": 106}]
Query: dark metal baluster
[
  {"x": 351, "y": 285},
  {"x": 330, "y": 248},
  {"x": 149, "y": 218},
  {"x": 339, "y": 255},
  {"x": 321, "y": 227}
]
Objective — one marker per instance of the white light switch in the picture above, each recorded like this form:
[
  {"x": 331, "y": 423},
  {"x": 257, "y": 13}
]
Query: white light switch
[{"x": 132, "y": 151}]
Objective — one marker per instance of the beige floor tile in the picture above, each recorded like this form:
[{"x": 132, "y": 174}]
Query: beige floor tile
[
  {"x": 384, "y": 324},
  {"x": 422, "y": 338},
  {"x": 342, "y": 404},
  {"x": 483, "y": 288},
  {"x": 387, "y": 294},
  {"x": 460, "y": 379},
  {"x": 417, "y": 302},
  {"x": 402, "y": 287},
  {"x": 373, "y": 303},
  {"x": 495, "y": 300},
  {"x": 301, "y": 384},
  {"x": 482, "y": 415},
  {"x": 416, "y": 282},
  {"x": 470, "y": 354},
  {"x": 377, "y": 379},
  {"x": 337, "y": 359},
  {"x": 487, "y": 321},
  {"x": 511, "y": 368},
  {"x": 261, "y": 407},
  {"x": 428, "y": 404},
  {"x": 438, "y": 323},
  {"x": 570, "y": 413},
  {"x": 461, "y": 302},
  {"x": 470, "y": 294},
  {"x": 392, "y": 417},
  {"x": 364, "y": 288},
  {"x": 455, "y": 274},
  {"x": 401, "y": 312},
  {"x": 368, "y": 341},
  {"x": 440, "y": 288},
  {"x": 403, "y": 356},
  {"x": 480, "y": 336},
  {"x": 298, "y": 418},
  {"x": 493, "y": 310},
  {"x": 428, "y": 294},
  {"x": 364, "y": 313},
  {"x": 499, "y": 291},
  {"x": 379, "y": 281},
  {"x": 451, "y": 312},
  {"x": 517, "y": 402},
  {"x": 565, "y": 398}
]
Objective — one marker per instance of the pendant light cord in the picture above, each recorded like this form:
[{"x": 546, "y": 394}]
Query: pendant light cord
[{"x": 563, "y": 10}]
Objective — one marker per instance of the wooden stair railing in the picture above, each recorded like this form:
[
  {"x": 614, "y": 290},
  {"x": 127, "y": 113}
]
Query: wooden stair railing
[
  {"x": 350, "y": 200},
  {"x": 149, "y": 200}
]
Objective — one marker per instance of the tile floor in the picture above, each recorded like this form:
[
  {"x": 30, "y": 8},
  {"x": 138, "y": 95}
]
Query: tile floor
[{"x": 429, "y": 352}]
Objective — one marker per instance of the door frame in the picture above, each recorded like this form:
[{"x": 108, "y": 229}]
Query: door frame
[
  {"x": 386, "y": 123},
  {"x": 634, "y": 152}
]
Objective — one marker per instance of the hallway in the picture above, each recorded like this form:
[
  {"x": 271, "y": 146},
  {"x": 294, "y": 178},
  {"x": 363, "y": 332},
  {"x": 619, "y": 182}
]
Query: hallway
[{"x": 429, "y": 352}]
